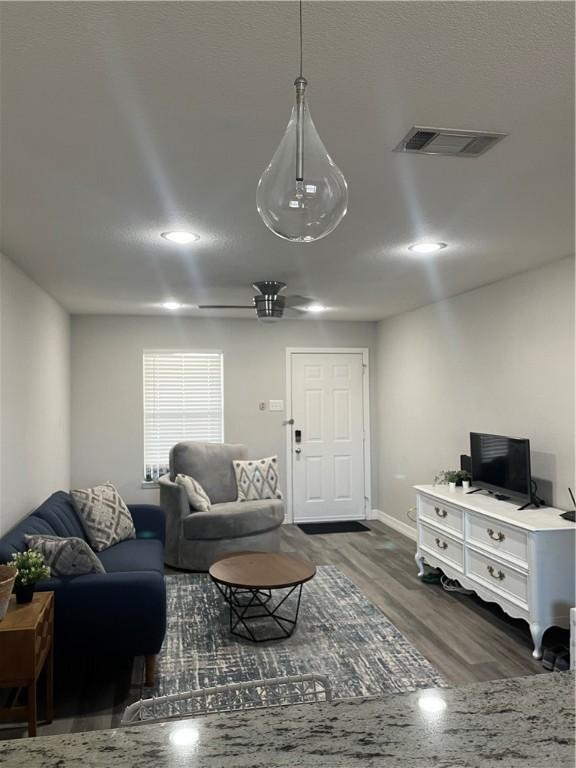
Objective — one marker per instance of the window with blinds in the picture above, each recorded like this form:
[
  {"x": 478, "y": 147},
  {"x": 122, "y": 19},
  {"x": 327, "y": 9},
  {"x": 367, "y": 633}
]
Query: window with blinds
[{"x": 183, "y": 400}]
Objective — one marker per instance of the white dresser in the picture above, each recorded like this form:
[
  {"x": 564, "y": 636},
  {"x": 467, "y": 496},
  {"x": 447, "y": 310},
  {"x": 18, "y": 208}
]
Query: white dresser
[{"x": 522, "y": 560}]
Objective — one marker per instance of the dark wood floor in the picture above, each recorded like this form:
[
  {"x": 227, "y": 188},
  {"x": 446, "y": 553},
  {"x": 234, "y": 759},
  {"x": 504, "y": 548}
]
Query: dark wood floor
[{"x": 466, "y": 639}]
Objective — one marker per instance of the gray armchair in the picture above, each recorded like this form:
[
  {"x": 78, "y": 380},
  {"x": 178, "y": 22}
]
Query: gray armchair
[{"x": 194, "y": 540}]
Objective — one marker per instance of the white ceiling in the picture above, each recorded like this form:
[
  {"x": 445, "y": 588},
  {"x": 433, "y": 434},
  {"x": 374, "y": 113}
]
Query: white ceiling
[{"x": 123, "y": 120}]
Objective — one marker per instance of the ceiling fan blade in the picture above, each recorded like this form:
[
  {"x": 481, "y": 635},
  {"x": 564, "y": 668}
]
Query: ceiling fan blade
[
  {"x": 298, "y": 302},
  {"x": 294, "y": 312},
  {"x": 225, "y": 306}
]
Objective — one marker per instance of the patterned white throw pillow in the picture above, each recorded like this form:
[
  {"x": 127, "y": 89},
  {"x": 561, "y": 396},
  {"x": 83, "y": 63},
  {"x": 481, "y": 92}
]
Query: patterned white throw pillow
[
  {"x": 66, "y": 557},
  {"x": 197, "y": 496},
  {"x": 257, "y": 479},
  {"x": 104, "y": 515}
]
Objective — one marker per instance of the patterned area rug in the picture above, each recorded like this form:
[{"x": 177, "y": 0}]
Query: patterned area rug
[{"x": 340, "y": 634}]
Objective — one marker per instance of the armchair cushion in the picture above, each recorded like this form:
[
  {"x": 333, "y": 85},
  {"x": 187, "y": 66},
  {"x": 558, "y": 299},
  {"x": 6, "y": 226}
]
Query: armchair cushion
[
  {"x": 197, "y": 496},
  {"x": 234, "y": 519},
  {"x": 211, "y": 465},
  {"x": 257, "y": 479}
]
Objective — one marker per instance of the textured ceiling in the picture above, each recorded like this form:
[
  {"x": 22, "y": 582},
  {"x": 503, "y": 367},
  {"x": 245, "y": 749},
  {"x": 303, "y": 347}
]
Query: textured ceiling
[{"x": 123, "y": 120}]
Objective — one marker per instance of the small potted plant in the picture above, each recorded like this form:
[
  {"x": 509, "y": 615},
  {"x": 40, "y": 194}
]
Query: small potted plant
[
  {"x": 452, "y": 478},
  {"x": 31, "y": 568}
]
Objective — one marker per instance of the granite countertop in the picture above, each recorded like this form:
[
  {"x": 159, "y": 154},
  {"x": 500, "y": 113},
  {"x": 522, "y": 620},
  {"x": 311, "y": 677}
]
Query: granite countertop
[{"x": 523, "y": 722}]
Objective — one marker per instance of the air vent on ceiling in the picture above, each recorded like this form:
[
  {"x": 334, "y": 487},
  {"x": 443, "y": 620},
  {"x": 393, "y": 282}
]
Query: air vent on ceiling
[{"x": 448, "y": 141}]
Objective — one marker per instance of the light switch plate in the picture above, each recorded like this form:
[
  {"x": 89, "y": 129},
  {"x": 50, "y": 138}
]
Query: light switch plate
[{"x": 276, "y": 405}]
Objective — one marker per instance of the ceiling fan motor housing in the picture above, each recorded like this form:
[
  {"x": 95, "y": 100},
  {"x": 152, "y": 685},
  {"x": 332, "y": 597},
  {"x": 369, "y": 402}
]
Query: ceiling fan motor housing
[
  {"x": 269, "y": 304},
  {"x": 269, "y": 308}
]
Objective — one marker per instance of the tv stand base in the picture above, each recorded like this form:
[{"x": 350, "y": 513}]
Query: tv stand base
[{"x": 532, "y": 503}]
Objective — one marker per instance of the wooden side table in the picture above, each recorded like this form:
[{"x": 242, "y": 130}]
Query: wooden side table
[{"x": 26, "y": 646}]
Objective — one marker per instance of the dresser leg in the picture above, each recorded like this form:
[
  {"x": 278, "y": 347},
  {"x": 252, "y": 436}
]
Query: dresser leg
[
  {"x": 31, "y": 692},
  {"x": 537, "y": 632},
  {"x": 420, "y": 563}
]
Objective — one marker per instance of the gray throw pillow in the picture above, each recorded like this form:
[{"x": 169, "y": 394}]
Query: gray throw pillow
[
  {"x": 104, "y": 515},
  {"x": 66, "y": 557},
  {"x": 257, "y": 479},
  {"x": 197, "y": 496}
]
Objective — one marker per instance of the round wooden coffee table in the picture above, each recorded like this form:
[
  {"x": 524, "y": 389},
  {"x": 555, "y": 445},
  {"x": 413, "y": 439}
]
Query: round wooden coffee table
[{"x": 247, "y": 581}]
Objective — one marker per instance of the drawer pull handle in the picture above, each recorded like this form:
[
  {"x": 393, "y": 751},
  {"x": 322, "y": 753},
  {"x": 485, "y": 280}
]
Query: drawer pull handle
[
  {"x": 440, "y": 512},
  {"x": 441, "y": 544},
  {"x": 495, "y": 536},
  {"x": 500, "y": 575}
]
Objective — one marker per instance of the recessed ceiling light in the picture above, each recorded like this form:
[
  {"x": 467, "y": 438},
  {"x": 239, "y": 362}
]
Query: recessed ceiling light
[
  {"x": 182, "y": 238},
  {"x": 426, "y": 247},
  {"x": 172, "y": 305},
  {"x": 315, "y": 308}
]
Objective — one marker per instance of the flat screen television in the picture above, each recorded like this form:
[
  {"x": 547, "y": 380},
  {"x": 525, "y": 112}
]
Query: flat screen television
[{"x": 501, "y": 465}]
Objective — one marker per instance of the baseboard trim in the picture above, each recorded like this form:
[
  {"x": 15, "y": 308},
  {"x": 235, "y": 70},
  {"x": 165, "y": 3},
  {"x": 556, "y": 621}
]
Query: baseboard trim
[{"x": 392, "y": 522}]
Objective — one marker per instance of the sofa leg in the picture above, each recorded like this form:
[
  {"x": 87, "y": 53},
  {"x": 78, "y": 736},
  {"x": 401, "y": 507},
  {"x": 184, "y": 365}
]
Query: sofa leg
[{"x": 150, "y": 671}]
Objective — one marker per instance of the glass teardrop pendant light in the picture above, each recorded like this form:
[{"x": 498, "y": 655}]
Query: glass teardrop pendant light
[{"x": 302, "y": 195}]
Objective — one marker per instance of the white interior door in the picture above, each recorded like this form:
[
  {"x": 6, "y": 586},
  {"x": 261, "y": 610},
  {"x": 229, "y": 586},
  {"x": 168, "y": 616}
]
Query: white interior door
[{"x": 327, "y": 455}]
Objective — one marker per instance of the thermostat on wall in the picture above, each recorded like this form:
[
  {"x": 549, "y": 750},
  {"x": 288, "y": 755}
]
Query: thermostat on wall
[{"x": 276, "y": 405}]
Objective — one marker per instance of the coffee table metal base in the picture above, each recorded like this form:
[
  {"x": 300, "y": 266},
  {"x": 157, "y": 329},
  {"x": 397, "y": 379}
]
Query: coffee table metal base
[{"x": 247, "y": 605}]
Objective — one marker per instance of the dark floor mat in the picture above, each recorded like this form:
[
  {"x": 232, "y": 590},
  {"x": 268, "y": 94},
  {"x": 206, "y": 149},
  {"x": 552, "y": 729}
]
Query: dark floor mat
[{"x": 342, "y": 526}]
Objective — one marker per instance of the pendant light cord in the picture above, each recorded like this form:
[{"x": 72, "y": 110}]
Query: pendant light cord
[{"x": 301, "y": 45}]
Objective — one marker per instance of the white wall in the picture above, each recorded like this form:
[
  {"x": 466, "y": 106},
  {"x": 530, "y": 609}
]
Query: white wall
[
  {"x": 498, "y": 359},
  {"x": 34, "y": 395},
  {"x": 107, "y": 418}
]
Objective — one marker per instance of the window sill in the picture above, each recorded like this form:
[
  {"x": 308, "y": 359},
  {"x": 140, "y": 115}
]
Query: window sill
[{"x": 149, "y": 484}]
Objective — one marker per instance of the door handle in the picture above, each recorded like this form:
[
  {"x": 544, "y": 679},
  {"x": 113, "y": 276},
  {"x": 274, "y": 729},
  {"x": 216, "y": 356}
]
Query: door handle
[{"x": 297, "y": 450}]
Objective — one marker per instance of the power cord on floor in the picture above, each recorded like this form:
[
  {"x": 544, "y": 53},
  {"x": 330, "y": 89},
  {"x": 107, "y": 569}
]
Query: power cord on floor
[
  {"x": 408, "y": 515},
  {"x": 451, "y": 585}
]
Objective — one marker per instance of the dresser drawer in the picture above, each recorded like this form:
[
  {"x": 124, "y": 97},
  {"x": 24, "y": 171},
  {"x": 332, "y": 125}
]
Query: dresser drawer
[
  {"x": 444, "y": 514},
  {"x": 443, "y": 546},
  {"x": 497, "y": 576},
  {"x": 499, "y": 537}
]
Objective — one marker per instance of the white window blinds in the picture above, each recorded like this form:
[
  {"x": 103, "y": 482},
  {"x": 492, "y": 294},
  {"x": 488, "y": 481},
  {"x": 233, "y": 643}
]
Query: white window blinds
[{"x": 183, "y": 400}]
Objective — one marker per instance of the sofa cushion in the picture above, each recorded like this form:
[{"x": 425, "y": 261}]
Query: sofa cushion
[
  {"x": 234, "y": 519},
  {"x": 134, "y": 555},
  {"x": 105, "y": 516},
  {"x": 60, "y": 514},
  {"x": 65, "y": 556},
  {"x": 55, "y": 517},
  {"x": 211, "y": 465}
]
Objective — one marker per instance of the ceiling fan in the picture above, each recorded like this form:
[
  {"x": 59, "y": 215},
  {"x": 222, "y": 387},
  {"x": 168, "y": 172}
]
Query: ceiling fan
[{"x": 269, "y": 304}]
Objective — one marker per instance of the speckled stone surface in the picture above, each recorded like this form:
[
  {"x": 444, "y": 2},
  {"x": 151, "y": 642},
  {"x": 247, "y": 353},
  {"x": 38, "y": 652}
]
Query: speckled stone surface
[{"x": 524, "y": 722}]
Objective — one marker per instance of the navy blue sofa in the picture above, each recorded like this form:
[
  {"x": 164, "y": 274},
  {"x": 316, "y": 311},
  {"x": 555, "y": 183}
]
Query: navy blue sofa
[{"x": 120, "y": 612}]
